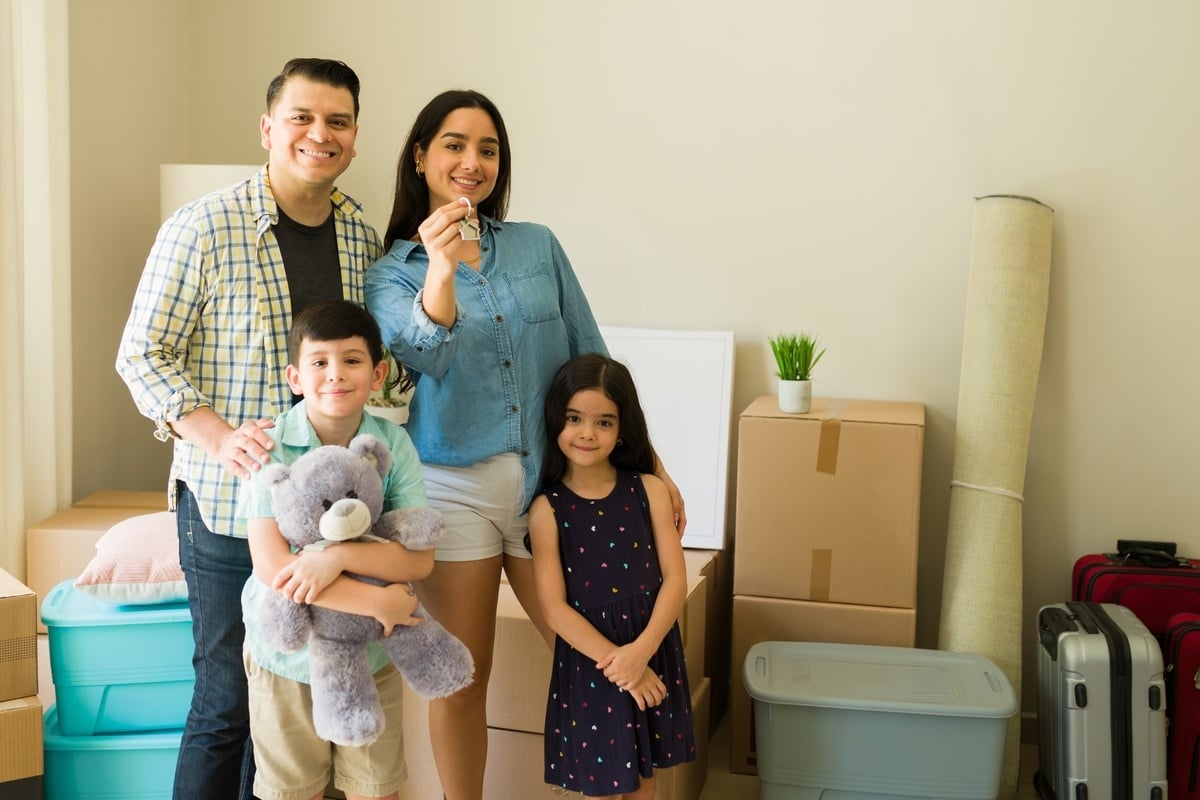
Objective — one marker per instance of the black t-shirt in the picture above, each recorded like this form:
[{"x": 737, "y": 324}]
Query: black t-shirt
[{"x": 310, "y": 259}]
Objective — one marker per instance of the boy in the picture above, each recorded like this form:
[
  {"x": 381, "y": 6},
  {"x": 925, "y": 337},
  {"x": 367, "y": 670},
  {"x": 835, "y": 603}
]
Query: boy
[{"x": 336, "y": 361}]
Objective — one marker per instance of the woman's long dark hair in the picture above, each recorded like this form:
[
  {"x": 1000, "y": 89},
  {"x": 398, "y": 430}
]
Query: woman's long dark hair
[
  {"x": 410, "y": 205},
  {"x": 612, "y": 378}
]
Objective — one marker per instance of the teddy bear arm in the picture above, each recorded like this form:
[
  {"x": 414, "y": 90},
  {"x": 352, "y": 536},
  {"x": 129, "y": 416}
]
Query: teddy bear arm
[{"x": 417, "y": 528}]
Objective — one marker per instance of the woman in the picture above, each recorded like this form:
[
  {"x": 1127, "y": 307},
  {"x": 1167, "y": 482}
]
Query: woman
[{"x": 481, "y": 313}]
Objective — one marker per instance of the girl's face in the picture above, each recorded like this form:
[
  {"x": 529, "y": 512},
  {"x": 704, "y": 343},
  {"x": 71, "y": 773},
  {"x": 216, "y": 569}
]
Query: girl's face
[
  {"x": 463, "y": 158},
  {"x": 591, "y": 428}
]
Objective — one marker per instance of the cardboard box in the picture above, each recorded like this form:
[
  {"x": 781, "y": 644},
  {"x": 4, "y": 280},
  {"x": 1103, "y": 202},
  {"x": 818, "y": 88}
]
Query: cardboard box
[
  {"x": 717, "y": 567},
  {"x": 828, "y": 502},
  {"x": 60, "y": 547},
  {"x": 21, "y": 756},
  {"x": 18, "y": 639},
  {"x": 521, "y": 660},
  {"x": 148, "y": 501},
  {"x": 768, "y": 619},
  {"x": 516, "y": 762}
]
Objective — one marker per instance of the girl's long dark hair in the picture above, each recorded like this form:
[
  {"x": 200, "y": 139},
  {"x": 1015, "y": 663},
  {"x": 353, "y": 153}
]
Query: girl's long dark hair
[
  {"x": 607, "y": 375},
  {"x": 410, "y": 205}
]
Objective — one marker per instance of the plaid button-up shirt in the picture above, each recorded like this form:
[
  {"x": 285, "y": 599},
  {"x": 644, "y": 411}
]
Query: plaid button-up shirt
[{"x": 210, "y": 322}]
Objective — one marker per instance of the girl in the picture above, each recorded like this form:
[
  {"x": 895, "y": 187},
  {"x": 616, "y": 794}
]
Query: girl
[{"x": 611, "y": 579}]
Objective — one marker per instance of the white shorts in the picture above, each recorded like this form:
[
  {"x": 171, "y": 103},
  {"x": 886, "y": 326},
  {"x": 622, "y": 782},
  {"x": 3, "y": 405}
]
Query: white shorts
[{"x": 483, "y": 508}]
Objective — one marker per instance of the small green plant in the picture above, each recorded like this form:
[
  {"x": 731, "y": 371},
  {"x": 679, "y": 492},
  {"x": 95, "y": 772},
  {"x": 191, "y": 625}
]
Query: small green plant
[{"x": 795, "y": 355}]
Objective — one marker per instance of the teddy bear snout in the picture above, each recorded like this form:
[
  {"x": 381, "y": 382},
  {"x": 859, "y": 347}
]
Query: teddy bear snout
[{"x": 347, "y": 518}]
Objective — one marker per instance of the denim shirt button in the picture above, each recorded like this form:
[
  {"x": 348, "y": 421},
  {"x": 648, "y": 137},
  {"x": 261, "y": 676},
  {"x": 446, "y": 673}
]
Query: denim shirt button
[
  {"x": 513, "y": 409},
  {"x": 499, "y": 318},
  {"x": 507, "y": 362}
]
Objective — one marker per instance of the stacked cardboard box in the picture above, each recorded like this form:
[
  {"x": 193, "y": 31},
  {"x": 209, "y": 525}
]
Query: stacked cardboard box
[
  {"x": 21, "y": 761},
  {"x": 828, "y": 505}
]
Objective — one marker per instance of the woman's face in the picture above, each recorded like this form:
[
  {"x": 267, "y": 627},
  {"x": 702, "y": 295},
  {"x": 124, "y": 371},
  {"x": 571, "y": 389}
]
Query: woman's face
[{"x": 463, "y": 158}]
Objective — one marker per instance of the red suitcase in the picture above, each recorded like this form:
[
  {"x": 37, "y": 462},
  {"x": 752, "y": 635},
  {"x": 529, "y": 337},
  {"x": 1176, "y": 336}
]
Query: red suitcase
[
  {"x": 1182, "y": 657},
  {"x": 1151, "y": 581}
]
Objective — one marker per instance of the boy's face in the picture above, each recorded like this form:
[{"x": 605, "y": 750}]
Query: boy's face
[{"x": 336, "y": 377}]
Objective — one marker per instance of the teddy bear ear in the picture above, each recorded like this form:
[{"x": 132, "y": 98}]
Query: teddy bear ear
[
  {"x": 275, "y": 474},
  {"x": 371, "y": 448}
]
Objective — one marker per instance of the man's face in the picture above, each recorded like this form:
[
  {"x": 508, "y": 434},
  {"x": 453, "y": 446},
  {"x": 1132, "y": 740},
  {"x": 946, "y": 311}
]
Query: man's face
[{"x": 310, "y": 134}]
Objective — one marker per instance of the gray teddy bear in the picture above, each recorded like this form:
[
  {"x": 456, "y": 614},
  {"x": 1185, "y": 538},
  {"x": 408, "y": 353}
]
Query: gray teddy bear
[{"x": 335, "y": 494}]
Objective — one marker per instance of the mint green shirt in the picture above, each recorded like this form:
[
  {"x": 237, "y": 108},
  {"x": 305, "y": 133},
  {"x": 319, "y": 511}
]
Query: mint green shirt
[{"x": 403, "y": 486}]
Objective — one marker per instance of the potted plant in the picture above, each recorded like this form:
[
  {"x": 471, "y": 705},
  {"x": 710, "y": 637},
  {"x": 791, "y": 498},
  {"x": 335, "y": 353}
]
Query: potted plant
[
  {"x": 795, "y": 357},
  {"x": 387, "y": 403}
]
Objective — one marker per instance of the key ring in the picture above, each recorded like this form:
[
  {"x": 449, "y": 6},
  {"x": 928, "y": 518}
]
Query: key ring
[{"x": 468, "y": 228}]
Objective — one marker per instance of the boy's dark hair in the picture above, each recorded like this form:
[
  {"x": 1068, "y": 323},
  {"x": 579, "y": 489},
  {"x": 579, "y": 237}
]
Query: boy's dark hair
[
  {"x": 319, "y": 70},
  {"x": 612, "y": 378},
  {"x": 411, "y": 204},
  {"x": 333, "y": 320}
]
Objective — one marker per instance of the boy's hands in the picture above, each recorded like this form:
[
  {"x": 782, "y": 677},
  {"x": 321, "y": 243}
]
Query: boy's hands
[
  {"x": 308, "y": 574},
  {"x": 400, "y": 602}
]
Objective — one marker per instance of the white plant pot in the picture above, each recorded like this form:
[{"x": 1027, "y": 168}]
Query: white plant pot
[{"x": 795, "y": 397}]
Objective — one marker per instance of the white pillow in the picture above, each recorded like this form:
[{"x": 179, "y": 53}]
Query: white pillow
[{"x": 137, "y": 563}]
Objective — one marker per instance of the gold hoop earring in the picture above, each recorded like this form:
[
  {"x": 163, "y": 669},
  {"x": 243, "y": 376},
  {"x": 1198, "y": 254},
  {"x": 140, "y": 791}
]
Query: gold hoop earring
[{"x": 420, "y": 167}]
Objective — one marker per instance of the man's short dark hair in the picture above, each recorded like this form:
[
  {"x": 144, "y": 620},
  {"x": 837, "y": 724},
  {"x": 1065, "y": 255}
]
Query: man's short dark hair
[{"x": 319, "y": 70}]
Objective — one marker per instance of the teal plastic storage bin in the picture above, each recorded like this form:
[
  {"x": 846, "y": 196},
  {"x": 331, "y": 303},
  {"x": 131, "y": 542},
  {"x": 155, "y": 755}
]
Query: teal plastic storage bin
[
  {"x": 861, "y": 722},
  {"x": 117, "y": 669},
  {"x": 132, "y": 766}
]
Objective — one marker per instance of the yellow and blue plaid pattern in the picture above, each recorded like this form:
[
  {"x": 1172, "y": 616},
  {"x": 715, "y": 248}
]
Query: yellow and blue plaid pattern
[{"x": 210, "y": 321}]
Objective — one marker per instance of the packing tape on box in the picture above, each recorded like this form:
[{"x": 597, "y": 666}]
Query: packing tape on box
[
  {"x": 831, "y": 434},
  {"x": 818, "y": 579}
]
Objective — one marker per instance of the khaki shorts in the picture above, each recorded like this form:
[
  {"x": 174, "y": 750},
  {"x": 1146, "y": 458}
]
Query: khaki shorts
[
  {"x": 482, "y": 505},
  {"x": 293, "y": 763}
]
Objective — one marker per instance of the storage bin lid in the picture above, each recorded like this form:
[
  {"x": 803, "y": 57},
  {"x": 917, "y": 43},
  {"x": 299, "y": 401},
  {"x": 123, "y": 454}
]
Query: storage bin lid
[
  {"x": 55, "y": 739},
  {"x": 875, "y": 678},
  {"x": 66, "y": 605}
]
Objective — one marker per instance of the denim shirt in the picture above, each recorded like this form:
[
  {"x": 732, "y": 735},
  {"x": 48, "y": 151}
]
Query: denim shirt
[{"x": 481, "y": 384}]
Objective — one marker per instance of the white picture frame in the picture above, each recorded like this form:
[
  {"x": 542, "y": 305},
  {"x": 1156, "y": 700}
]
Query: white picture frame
[{"x": 685, "y": 383}]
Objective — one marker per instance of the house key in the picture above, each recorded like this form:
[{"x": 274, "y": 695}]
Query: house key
[{"x": 468, "y": 228}]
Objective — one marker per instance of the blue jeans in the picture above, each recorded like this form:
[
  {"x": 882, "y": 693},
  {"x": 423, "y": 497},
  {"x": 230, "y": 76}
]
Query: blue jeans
[{"x": 215, "y": 756}]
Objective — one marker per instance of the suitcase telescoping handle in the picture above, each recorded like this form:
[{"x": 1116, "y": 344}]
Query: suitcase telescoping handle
[{"x": 1053, "y": 622}]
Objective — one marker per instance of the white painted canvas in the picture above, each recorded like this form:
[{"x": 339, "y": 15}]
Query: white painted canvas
[{"x": 685, "y": 382}]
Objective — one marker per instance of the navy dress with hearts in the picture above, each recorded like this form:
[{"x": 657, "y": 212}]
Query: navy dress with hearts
[{"x": 597, "y": 740}]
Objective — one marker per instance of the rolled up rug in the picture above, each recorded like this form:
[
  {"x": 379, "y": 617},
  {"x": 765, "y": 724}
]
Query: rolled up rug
[{"x": 1007, "y": 297}]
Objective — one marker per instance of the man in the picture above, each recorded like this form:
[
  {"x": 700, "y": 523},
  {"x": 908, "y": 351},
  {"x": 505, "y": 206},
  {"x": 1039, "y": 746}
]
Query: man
[{"x": 204, "y": 353}]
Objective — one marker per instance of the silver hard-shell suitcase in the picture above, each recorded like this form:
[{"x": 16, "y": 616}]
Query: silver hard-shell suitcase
[{"x": 1101, "y": 705}]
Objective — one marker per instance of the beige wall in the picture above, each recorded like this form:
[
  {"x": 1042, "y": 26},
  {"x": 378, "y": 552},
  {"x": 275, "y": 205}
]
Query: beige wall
[{"x": 753, "y": 167}]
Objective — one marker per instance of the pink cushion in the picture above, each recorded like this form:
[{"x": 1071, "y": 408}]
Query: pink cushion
[{"x": 137, "y": 563}]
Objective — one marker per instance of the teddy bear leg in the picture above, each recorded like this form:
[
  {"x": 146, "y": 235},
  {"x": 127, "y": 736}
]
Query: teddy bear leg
[
  {"x": 346, "y": 709},
  {"x": 433, "y": 661}
]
